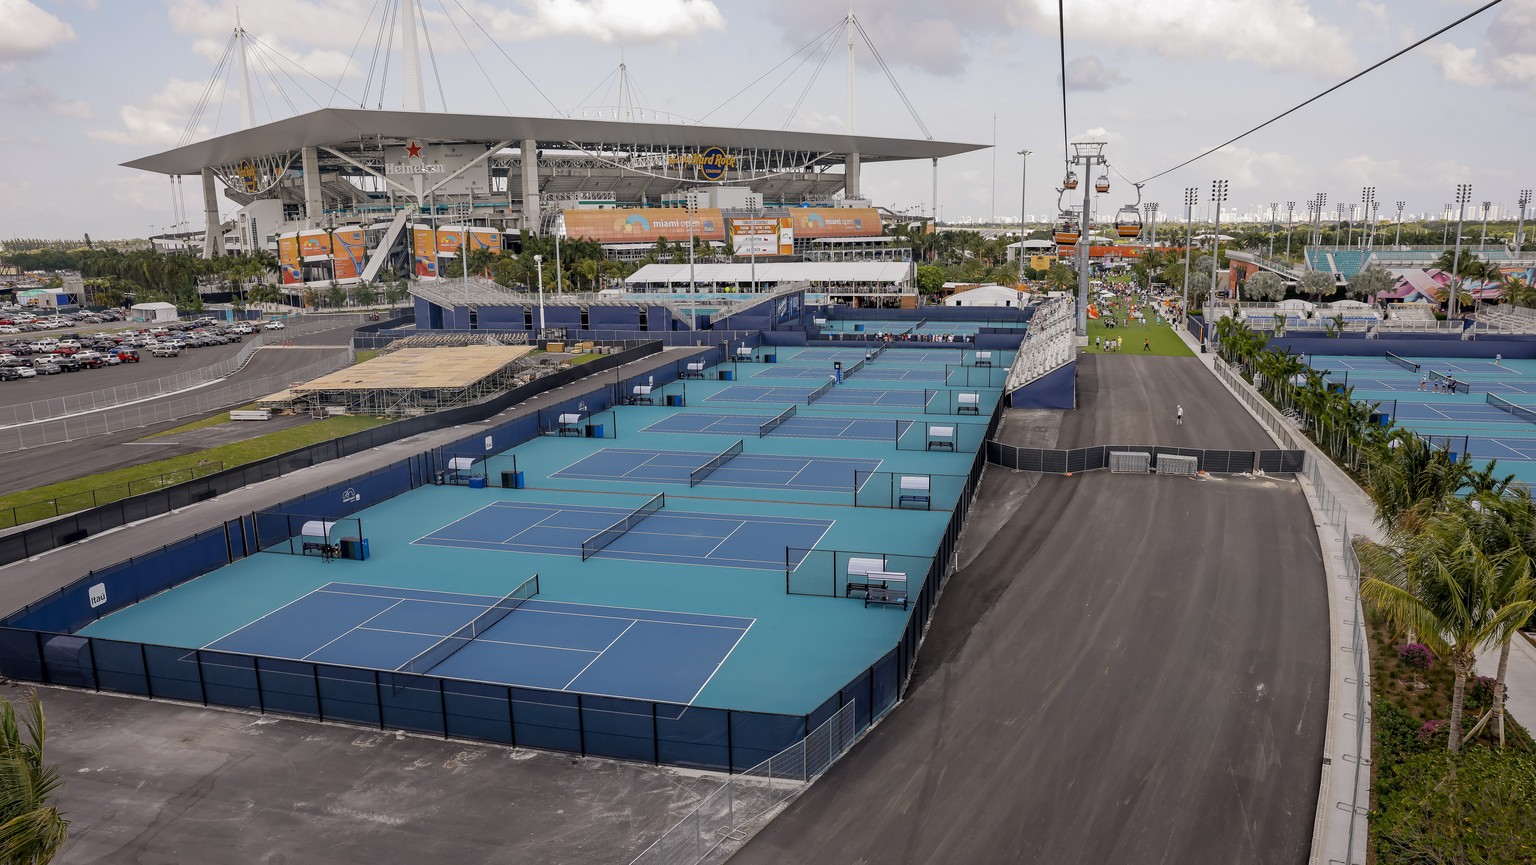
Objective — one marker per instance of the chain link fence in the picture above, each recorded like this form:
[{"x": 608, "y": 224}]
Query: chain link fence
[{"x": 733, "y": 813}]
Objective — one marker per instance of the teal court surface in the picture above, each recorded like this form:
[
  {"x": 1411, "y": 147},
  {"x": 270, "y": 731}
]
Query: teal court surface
[
  {"x": 1481, "y": 409},
  {"x": 747, "y": 550}
]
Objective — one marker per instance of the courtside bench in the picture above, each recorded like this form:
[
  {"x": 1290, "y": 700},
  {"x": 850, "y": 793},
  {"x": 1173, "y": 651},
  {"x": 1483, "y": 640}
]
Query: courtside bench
[
  {"x": 915, "y": 490},
  {"x": 968, "y": 403},
  {"x": 867, "y": 575},
  {"x": 694, "y": 369},
  {"x": 251, "y": 414},
  {"x": 640, "y": 394},
  {"x": 570, "y": 424}
]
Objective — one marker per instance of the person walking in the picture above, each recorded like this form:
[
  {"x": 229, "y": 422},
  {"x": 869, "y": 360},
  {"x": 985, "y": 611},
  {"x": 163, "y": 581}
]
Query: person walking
[
  {"x": 1146, "y": 345},
  {"x": 1498, "y": 359},
  {"x": 1178, "y": 415}
]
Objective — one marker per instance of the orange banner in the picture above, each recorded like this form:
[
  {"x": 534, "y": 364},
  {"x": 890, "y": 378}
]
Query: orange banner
[
  {"x": 449, "y": 238},
  {"x": 288, "y": 259},
  {"x": 813, "y": 222},
  {"x": 645, "y": 225},
  {"x": 485, "y": 238},
  {"x": 348, "y": 244},
  {"x": 424, "y": 250},
  {"x": 314, "y": 245}
]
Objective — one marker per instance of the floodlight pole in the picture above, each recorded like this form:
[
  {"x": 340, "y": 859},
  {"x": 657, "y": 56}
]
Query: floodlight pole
[
  {"x": 1191, "y": 198},
  {"x": 1398, "y": 241},
  {"x": 559, "y": 226},
  {"x": 538, "y": 262},
  {"x": 1274, "y": 219},
  {"x": 1290, "y": 221},
  {"x": 1368, "y": 199},
  {"x": 1151, "y": 209},
  {"x": 1023, "y": 208},
  {"x": 1484, "y": 242},
  {"x": 1524, "y": 202},
  {"x": 693, "y": 297},
  {"x": 1218, "y": 195},
  {"x": 1463, "y": 195}
]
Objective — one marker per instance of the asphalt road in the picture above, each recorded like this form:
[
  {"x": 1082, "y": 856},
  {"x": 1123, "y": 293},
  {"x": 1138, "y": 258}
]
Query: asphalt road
[
  {"x": 1128, "y": 669},
  {"x": 1127, "y": 399},
  {"x": 33, "y": 467}
]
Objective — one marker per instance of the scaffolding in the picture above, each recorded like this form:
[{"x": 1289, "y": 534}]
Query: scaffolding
[{"x": 414, "y": 381}]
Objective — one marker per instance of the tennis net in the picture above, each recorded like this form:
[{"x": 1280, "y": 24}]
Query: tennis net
[
  {"x": 776, "y": 421},
  {"x": 698, "y": 475},
  {"x": 878, "y": 350},
  {"x": 820, "y": 392},
  {"x": 1445, "y": 380},
  {"x": 1403, "y": 362},
  {"x": 855, "y": 367},
  {"x": 1518, "y": 411},
  {"x": 445, "y": 648},
  {"x": 592, "y": 545}
]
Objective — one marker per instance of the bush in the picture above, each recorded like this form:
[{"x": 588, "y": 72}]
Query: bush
[
  {"x": 1480, "y": 692},
  {"x": 1482, "y": 812},
  {"x": 1416, "y": 655},
  {"x": 1435, "y": 730}
]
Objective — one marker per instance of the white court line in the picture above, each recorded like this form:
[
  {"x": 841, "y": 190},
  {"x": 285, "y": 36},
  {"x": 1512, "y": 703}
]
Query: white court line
[
  {"x": 599, "y": 655},
  {"x": 525, "y": 529},
  {"x": 273, "y": 612},
  {"x": 459, "y": 519},
  {"x": 355, "y": 628},
  {"x": 479, "y": 639},
  {"x": 724, "y": 539},
  {"x": 480, "y": 603},
  {"x": 723, "y": 659},
  {"x": 804, "y": 464}
]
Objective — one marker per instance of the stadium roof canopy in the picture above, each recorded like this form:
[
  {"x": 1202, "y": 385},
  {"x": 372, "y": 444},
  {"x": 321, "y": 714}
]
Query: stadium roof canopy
[{"x": 339, "y": 126}]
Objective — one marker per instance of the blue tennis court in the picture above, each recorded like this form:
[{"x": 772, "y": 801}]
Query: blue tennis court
[
  {"x": 804, "y": 426},
  {"x": 839, "y": 396},
  {"x": 611, "y": 651},
  {"x": 764, "y": 471},
  {"x": 667, "y": 536},
  {"x": 873, "y": 371}
]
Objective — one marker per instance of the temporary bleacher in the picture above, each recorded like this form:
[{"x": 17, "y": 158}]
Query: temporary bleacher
[{"x": 1049, "y": 343}]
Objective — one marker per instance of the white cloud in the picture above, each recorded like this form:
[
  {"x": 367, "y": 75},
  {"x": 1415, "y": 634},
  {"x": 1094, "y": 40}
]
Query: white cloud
[
  {"x": 160, "y": 120},
  {"x": 1275, "y": 34},
  {"x": 1506, "y": 58},
  {"x": 27, "y": 31},
  {"x": 600, "y": 20},
  {"x": 1090, "y": 73},
  {"x": 34, "y": 95}
]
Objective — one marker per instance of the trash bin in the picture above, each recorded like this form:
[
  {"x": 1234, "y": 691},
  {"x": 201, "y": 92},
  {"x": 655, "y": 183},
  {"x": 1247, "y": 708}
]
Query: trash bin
[
  {"x": 770, "y": 358},
  {"x": 594, "y": 431},
  {"x": 859, "y": 327},
  {"x": 1202, "y": 348},
  {"x": 674, "y": 399},
  {"x": 512, "y": 480},
  {"x": 477, "y": 483},
  {"x": 727, "y": 375}
]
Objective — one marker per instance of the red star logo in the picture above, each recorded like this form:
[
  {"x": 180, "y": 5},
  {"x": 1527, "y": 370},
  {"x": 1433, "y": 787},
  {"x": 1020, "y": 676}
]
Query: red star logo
[{"x": 413, "y": 151}]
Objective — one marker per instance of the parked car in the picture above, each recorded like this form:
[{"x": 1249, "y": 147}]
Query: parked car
[
  {"x": 166, "y": 349},
  {"x": 11, "y": 373},
  {"x": 89, "y": 359},
  {"x": 274, "y": 324},
  {"x": 242, "y": 327},
  {"x": 126, "y": 355},
  {"x": 46, "y": 367},
  {"x": 67, "y": 362}
]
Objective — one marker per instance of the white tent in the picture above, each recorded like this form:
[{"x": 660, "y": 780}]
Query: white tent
[
  {"x": 157, "y": 311},
  {"x": 988, "y": 295}
]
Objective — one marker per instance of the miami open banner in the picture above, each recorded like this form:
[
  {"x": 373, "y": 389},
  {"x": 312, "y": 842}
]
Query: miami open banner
[
  {"x": 644, "y": 225},
  {"x": 424, "y": 251},
  {"x": 347, "y": 245}
]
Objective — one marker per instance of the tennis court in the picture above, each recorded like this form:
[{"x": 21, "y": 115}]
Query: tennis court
[
  {"x": 841, "y": 396},
  {"x": 805, "y": 426},
  {"x": 874, "y": 371},
  {"x": 765, "y": 471},
  {"x": 610, "y": 651},
  {"x": 665, "y": 536},
  {"x": 892, "y": 357}
]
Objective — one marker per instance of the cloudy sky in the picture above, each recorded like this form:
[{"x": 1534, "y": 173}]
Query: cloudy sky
[{"x": 87, "y": 84}]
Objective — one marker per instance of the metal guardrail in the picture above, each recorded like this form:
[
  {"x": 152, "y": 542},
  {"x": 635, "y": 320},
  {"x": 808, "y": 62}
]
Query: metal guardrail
[
  {"x": 42, "y": 509},
  {"x": 1268, "y": 415},
  {"x": 734, "y": 811},
  {"x": 48, "y": 409}
]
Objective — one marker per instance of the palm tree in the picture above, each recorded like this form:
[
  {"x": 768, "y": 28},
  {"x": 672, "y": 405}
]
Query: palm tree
[
  {"x": 1441, "y": 584},
  {"x": 1264, "y": 286},
  {"x": 32, "y": 830},
  {"x": 1370, "y": 282},
  {"x": 1519, "y": 291},
  {"x": 1317, "y": 284}
]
